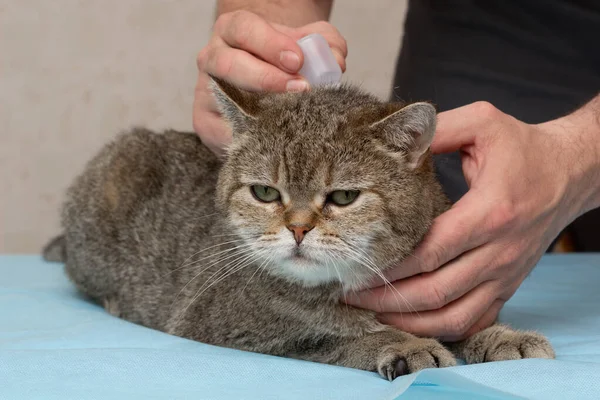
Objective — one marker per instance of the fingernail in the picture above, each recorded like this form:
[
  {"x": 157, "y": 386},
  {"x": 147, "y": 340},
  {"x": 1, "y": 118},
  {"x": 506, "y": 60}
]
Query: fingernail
[
  {"x": 296, "y": 85},
  {"x": 290, "y": 60},
  {"x": 339, "y": 58}
]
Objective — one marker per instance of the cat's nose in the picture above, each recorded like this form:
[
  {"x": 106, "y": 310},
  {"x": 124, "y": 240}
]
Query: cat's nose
[{"x": 299, "y": 231}]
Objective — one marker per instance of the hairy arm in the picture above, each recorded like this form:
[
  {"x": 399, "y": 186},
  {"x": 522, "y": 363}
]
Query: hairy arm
[
  {"x": 293, "y": 13},
  {"x": 585, "y": 124}
]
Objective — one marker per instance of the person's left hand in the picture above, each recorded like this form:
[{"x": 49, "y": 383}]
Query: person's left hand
[{"x": 525, "y": 185}]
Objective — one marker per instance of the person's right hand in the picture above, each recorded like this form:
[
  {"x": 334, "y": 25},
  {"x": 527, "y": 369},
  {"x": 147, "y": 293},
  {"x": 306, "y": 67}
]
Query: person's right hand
[{"x": 256, "y": 55}]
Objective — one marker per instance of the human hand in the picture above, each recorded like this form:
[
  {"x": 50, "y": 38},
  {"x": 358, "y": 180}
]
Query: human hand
[
  {"x": 253, "y": 54},
  {"x": 526, "y": 184}
]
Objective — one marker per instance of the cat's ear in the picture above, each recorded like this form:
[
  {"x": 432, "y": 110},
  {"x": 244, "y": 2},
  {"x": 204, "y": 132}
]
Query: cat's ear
[
  {"x": 409, "y": 130},
  {"x": 238, "y": 107}
]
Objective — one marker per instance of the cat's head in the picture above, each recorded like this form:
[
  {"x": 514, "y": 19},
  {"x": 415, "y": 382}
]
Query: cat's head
[{"x": 327, "y": 185}]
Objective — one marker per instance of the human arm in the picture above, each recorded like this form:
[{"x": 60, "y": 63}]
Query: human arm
[
  {"x": 292, "y": 13},
  {"x": 254, "y": 47},
  {"x": 526, "y": 183}
]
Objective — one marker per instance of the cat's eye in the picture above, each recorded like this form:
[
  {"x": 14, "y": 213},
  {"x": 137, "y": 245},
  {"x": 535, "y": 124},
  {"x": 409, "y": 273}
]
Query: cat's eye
[
  {"x": 343, "y": 197},
  {"x": 265, "y": 194}
]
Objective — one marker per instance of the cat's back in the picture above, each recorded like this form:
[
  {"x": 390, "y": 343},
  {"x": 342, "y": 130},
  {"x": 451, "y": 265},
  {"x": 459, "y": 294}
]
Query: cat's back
[
  {"x": 141, "y": 167},
  {"x": 140, "y": 203}
]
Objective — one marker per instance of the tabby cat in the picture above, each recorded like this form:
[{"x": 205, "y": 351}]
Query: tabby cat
[{"x": 319, "y": 192}]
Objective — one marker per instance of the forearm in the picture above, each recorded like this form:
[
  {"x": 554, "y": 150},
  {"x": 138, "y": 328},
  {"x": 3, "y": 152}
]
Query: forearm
[
  {"x": 581, "y": 131},
  {"x": 587, "y": 118},
  {"x": 292, "y": 13}
]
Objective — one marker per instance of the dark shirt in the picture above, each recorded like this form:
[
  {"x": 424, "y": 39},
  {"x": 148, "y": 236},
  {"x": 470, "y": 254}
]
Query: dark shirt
[{"x": 536, "y": 60}]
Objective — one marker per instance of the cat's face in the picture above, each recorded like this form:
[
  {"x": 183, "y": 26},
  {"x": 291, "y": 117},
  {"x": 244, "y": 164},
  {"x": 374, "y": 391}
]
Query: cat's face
[{"x": 326, "y": 186}]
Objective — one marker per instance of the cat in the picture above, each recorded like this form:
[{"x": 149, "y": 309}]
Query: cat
[{"x": 318, "y": 193}]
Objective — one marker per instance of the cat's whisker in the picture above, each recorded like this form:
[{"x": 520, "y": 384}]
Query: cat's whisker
[
  {"x": 356, "y": 258},
  {"x": 227, "y": 257},
  {"x": 257, "y": 269},
  {"x": 244, "y": 245},
  {"x": 362, "y": 252},
  {"x": 241, "y": 254},
  {"x": 246, "y": 263},
  {"x": 371, "y": 259},
  {"x": 369, "y": 263},
  {"x": 264, "y": 268},
  {"x": 327, "y": 260},
  {"x": 226, "y": 234},
  {"x": 342, "y": 285},
  {"x": 338, "y": 273},
  {"x": 387, "y": 283},
  {"x": 205, "y": 249},
  {"x": 231, "y": 271},
  {"x": 356, "y": 276},
  {"x": 221, "y": 255},
  {"x": 230, "y": 264},
  {"x": 364, "y": 257},
  {"x": 337, "y": 257}
]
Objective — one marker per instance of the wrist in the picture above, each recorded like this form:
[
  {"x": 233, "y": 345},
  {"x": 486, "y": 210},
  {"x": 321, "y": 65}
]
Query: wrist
[
  {"x": 292, "y": 13},
  {"x": 578, "y": 137}
]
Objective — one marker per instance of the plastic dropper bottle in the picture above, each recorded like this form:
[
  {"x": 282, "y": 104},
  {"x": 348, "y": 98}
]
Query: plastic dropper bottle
[{"x": 320, "y": 66}]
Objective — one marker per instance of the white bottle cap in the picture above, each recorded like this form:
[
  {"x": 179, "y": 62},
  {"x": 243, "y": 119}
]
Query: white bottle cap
[{"x": 320, "y": 66}]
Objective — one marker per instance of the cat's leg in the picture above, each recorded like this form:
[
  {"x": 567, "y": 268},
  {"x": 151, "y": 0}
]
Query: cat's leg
[
  {"x": 111, "y": 305},
  {"x": 499, "y": 343},
  {"x": 392, "y": 353}
]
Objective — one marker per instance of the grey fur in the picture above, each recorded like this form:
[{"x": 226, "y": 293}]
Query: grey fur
[{"x": 166, "y": 235}]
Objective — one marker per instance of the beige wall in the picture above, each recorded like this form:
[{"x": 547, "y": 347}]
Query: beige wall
[{"x": 73, "y": 73}]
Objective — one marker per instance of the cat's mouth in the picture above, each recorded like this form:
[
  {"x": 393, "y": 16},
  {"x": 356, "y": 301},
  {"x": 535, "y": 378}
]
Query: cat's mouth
[{"x": 298, "y": 255}]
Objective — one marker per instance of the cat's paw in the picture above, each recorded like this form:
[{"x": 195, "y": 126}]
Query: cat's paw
[
  {"x": 500, "y": 343},
  {"x": 111, "y": 305},
  {"x": 412, "y": 356},
  {"x": 515, "y": 345}
]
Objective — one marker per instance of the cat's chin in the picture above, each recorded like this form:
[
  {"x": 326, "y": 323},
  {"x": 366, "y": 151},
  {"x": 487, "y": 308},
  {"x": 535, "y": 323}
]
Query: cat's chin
[
  {"x": 304, "y": 270},
  {"x": 309, "y": 272},
  {"x": 302, "y": 261}
]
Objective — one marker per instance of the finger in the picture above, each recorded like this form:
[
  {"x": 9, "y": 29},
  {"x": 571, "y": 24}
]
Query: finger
[
  {"x": 429, "y": 291},
  {"x": 249, "y": 32},
  {"x": 487, "y": 320},
  {"x": 452, "y": 321},
  {"x": 340, "y": 59},
  {"x": 247, "y": 72},
  {"x": 204, "y": 99},
  {"x": 460, "y": 127},
  {"x": 213, "y": 131},
  {"x": 335, "y": 39},
  {"x": 458, "y": 230}
]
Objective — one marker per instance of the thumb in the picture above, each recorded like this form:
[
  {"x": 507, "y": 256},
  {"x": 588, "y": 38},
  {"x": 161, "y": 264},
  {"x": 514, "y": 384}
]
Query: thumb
[{"x": 459, "y": 127}]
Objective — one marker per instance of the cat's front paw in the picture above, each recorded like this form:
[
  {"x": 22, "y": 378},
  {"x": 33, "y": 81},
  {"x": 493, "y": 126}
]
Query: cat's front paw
[
  {"x": 500, "y": 343},
  {"x": 411, "y": 356},
  {"x": 515, "y": 345}
]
